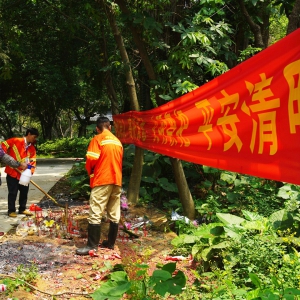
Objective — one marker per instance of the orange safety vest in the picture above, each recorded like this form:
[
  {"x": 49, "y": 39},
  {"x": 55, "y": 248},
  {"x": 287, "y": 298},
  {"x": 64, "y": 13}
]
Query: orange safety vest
[
  {"x": 104, "y": 160},
  {"x": 16, "y": 148}
]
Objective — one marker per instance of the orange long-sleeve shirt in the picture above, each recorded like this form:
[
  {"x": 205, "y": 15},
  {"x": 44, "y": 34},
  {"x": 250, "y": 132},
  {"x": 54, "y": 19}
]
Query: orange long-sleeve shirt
[
  {"x": 104, "y": 160},
  {"x": 17, "y": 148}
]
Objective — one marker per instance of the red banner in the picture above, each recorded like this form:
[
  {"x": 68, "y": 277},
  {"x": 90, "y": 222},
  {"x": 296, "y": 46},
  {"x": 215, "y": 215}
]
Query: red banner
[{"x": 246, "y": 120}]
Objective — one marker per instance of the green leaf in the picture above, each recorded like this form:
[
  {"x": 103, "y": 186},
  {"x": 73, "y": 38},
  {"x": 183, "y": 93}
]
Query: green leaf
[
  {"x": 172, "y": 285},
  {"x": 281, "y": 219},
  {"x": 240, "y": 292},
  {"x": 210, "y": 170},
  {"x": 255, "y": 280},
  {"x": 268, "y": 295},
  {"x": 228, "y": 177},
  {"x": 232, "y": 197},
  {"x": 196, "y": 249},
  {"x": 179, "y": 240},
  {"x": 119, "y": 276},
  {"x": 253, "y": 295},
  {"x": 179, "y": 279},
  {"x": 160, "y": 275},
  {"x": 288, "y": 192},
  {"x": 251, "y": 216},
  {"x": 291, "y": 291},
  {"x": 275, "y": 281},
  {"x": 288, "y": 297},
  {"x": 229, "y": 219},
  {"x": 170, "y": 267},
  {"x": 166, "y": 185},
  {"x": 233, "y": 233},
  {"x": 166, "y": 97},
  {"x": 113, "y": 289},
  {"x": 221, "y": 245},
  {"x": 207, "y": 253},
  {"x": 148, "y": 179},
  {"x": 260, "y": 225},
  {"x": 156, "y": 190},
  {"x": 209, "y": 230}
]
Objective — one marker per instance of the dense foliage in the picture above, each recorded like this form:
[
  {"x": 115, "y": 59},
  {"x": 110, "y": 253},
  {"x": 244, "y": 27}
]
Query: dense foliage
[
  {"x": 246, "y": 237},
  {"x": 59, "y": 65}
]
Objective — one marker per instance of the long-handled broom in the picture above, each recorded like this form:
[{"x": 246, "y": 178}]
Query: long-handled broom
[{"x": 37, "y": 186}]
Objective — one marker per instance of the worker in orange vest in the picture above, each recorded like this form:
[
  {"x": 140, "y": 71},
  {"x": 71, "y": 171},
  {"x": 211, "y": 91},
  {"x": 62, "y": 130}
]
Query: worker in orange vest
[
  {"x": 104, "y": 166},
  {"x": 10, "y": 161},
  {"x": 23, "y": 150}
]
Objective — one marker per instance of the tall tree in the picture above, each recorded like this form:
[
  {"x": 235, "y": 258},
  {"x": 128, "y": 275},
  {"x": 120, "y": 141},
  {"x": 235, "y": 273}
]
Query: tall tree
[
  {"x": 135, "y": 179},
  {"x": 183, "y": 189},
  {"x": 294, "y": 17}
]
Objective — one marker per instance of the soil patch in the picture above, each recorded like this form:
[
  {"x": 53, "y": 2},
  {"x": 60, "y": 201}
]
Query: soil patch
[{"x": 69, "y": 276}]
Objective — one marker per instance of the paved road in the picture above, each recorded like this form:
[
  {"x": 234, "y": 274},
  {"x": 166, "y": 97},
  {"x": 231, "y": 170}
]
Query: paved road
[{"x": 47, "y": 173}]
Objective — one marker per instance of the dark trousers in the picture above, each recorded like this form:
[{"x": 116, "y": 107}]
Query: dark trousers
[{"x": 13, "y": 187}]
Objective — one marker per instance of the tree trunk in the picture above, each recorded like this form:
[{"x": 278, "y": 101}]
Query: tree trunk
[
  {"x": 183, "y": 189},
  {"x": 112, "y": 95},
  {"x": 82, "y": 123},
  {"x": 136, "y": 174},
  {"x": 257, "y": 30},
  {"x": 47, "y": 119},
  {"x": 135, "y": 177},
  {"x": 294, "y": 18}
]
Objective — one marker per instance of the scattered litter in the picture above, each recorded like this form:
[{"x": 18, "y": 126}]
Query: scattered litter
[
  {"x": 124, "y": 202},
  {"x": 116, "y": 255},
  {"x": 2, "y": 287},
  {"x": 175, "y": 216},
  {"x": 93, "y": 253},
  {"x": 26, "y": 227},
  {"x": 53, "y": 223},
  {"x": 111, "y": 257},
  {"x": 34, "y": 207},
  {"x": 139, "y": 222},
  {"x": 176, "y": 258}
]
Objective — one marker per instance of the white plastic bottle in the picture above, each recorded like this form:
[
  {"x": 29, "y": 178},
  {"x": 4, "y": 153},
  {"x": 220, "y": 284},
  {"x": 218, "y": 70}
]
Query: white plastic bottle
[{"x": 25, "y": 176}]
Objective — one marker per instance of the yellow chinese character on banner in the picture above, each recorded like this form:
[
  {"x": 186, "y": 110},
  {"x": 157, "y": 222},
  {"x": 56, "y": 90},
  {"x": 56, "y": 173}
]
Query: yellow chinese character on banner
[
  {"x": 264, "y": 106},
  {"x": 154, "y": 129},
  {"x": 165, "y": 129},
  {"x": 208, "y": 113},
  {"x": 184, "y": 124},
  {"x": 130, "y": 128},
  {"x": 171, "y": 127},
  {"x": 119, "y": 129},
  {"x": 161, "y": 129},
  {"x": 228, "y": 121},
  {"x": 292, "y": 75},
  {"x": 138, "y": 129}
]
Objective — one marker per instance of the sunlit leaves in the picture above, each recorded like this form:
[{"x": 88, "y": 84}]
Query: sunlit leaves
[{"x": 184, "y": 87}]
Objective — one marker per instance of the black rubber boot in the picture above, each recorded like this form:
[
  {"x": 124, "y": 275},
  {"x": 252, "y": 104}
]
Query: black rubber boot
[
  {"x": 94, "y": 232},
  {"x": 112, "y": 236}
]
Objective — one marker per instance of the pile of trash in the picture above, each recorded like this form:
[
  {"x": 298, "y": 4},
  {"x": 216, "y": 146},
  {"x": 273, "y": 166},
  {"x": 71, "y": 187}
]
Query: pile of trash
[
  {"x": 60, "y": 223},
  {"x": 63, "y": 223}
]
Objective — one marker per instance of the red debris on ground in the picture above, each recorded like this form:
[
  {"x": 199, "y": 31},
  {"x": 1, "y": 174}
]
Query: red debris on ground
[{"x": 52, "y": 249}]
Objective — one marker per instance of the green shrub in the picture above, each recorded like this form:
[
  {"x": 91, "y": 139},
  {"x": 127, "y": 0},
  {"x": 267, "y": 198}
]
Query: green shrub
[{"x": 65, "y": 147}]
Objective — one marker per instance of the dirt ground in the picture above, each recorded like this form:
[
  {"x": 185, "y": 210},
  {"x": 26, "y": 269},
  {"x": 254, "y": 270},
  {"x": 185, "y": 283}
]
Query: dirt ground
[{"x": 65, "y": 275}]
